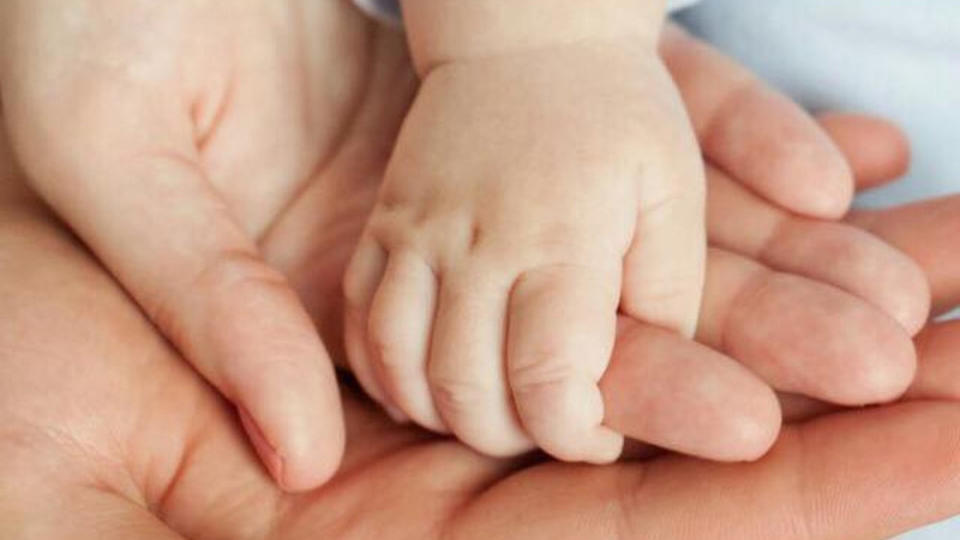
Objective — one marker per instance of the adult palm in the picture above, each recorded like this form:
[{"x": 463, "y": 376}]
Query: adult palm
[
  {"x": 183, "y": 141},
  {"x": 109, "y": 434}
]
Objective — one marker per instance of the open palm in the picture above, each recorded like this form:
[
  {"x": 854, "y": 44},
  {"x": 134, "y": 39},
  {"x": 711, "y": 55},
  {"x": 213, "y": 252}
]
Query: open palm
[{"x": 109, "y": 434}]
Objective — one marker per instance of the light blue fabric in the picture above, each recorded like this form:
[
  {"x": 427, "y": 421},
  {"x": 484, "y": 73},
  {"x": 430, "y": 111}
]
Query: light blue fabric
[
  {"x": 388, "y": 11},
  {"x": 894, "y": 58}
]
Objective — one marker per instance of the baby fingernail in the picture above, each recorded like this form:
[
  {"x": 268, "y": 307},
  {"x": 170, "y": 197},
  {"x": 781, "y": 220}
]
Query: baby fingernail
[{"x": 396, "y": 414}]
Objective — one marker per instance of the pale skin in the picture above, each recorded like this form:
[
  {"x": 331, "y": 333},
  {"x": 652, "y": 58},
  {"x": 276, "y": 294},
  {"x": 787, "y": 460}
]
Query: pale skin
[
  {"x": 545, "y": 174},
  {"x": 500, "y": 239},
  {"x": 546, "y": 177},
  {"x": 109, "y": 434},
  {"x": 243, "y": 174}
]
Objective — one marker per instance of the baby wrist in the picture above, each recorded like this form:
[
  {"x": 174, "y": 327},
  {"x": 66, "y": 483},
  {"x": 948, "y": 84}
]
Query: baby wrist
[{"x": 444, "y": 31}]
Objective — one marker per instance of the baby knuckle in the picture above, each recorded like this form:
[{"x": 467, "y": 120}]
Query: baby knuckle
[
  {"x": 458, "y": 397},
  {"x": 544, "y": 374}
]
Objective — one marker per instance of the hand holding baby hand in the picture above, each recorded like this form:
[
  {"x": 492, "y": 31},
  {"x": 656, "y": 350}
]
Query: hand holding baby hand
[{"x": 529, "y": 196}]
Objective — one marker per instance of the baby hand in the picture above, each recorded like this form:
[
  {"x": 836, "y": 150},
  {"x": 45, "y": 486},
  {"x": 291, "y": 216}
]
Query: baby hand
[{"x": 530, "y": 195}]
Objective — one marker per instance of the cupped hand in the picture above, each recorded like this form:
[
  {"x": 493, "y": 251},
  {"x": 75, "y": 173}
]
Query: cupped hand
[
  {"x": 798, "y": 300},
  {"x": 169, "y": 135},
  {"x": 109, "y": 434},
  {"x": 239, "y": 123},
  {"x": 529, "y": 194}
]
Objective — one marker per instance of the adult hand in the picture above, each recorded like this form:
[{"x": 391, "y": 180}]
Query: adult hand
[
  {"x": 169, "y": 135},
  {"x": 108, "y": 434},
  {"x": 797, "y": 300},
  {"x": 305, "y": 187}
]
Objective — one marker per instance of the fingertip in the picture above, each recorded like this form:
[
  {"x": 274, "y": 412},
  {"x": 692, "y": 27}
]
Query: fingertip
[
  {"x": 315, "y": 448},
  {"x": 750, "y": 423},
  {"x": 770, "y": 144},
  {"x": 754, "y": 430},
  {"x": 827, "y": 180},
  {"x": 889, "y": 382},
  {"x": 564, "y": 419},
  {"x": 294, "y": 419},
  {"x": 723, "y": 413},
  {"x": 303, "y": 461},
  {"x": 607, "y": 447},
  {"x": 912, "y": 303},
  {"x": 295, "y": 467},
  {"x": 882, "y": 372},
  {"x": 877, "y": 150},
  {"x": 306, "y": 472},
  {"x": 269, "y": 456},
  {"x": 853, "y": 261},
  {"x": 806, "y": 337}
]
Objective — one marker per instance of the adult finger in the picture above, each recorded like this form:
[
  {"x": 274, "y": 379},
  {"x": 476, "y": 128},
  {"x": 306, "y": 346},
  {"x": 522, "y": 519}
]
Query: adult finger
[
  {"x": 927, "y": 232},
  {"x": 878, "y": 151},
  {"x": 666, "y": 390},
  {"x": 831, "y": 478},
  {"x": 740, "y": 221},
  {"x": 830, "y": 252},
  {"x": 862, "y": 474},
  {"x": 937, "y": 378},
  {"x": 801, "y": 335},
  {"x": 755, "y": 134},
  {"x": 938, "y": 345},
  {"x": 938, "y": 373}
]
